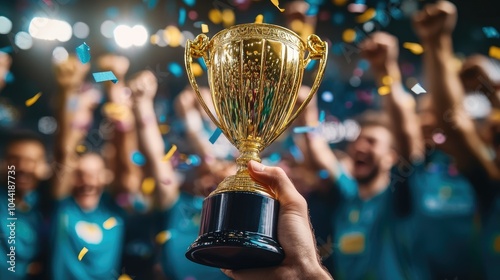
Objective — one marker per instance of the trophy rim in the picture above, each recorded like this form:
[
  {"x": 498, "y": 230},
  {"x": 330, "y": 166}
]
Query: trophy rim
[{"x": 226, "y": 30}]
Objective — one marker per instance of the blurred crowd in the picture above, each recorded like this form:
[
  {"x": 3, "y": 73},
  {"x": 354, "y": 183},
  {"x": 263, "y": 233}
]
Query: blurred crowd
[{"x": 415, "y": 196}]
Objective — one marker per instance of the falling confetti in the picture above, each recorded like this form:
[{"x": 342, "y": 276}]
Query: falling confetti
[
  {"x": 81, "y": 149},
  {"x": 138, "y": 158},
  {"x": 110, "y": 223},
  {"x": 33, "y": 99},
  {"x": 164, "y": 129},
  {"x": 176, "y": 69},
  {"x": 204, "y": 28},
  {"x": 366, "y": 16},
  {"x": 322, "y": 117},
  {"x": 82, "y": 253},
  {"x": 170, "y": 153},
  {"x": 414, "y": 48},
  {"x": 494, "y": 52},
  {"x": 105, "y": 76},
  {"x": 490, "y": 32},
  {"x": 349, "y": 35},
  {"x": 323, "y": 174},
  {"x": 194, "y": 160},
  {"x": 418, "y": 89},
  {"x": 182, "y": 16},
  {"x": 83, "y": 53},
  {"x": 384, "y": 90},
  {"x": 124, "y": 277},
  {"x": 259, "y": 19},
  {"x": 7, "y": 49},
  {"x": 163, "y": 237},
  {"x": 303, "y": 129},
  {"x": 277, "y": 4},
  {"x": 215, "y": 135},
  {"x": 148, "y": 185}
]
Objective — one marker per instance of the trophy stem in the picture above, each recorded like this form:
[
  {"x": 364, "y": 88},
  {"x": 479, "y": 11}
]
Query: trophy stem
[{"x": 249, "y": 151}]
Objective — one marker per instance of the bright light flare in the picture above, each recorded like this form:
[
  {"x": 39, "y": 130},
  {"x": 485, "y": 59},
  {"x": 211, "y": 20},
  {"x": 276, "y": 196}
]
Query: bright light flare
[
  {"x": 126, "y": 36},
  {"x": 50, "y": 29}
]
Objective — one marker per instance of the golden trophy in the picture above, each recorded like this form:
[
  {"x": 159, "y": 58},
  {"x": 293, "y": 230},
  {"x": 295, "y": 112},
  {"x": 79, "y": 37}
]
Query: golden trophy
[{"x": 254, "y": 71}]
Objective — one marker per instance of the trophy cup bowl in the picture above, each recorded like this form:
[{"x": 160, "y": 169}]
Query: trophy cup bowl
[{"x": 254, "y": 72}]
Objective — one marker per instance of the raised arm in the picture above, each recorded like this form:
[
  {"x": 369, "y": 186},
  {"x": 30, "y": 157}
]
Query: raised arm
[
  {"x": 128, "y": 176},
  {"x": 5, "y": 62},
  {"x": 143, "y": 86},
  {"x": 74, "y": 117},
  {"x": 480, "y": 73},
  {"x": 381, "y": 50},
  {"x": 434, "y": 25}
]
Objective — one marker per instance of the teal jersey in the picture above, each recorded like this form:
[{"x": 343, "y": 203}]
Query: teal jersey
[
  {"x": 87, "y": 245},
  {"x": 491, "y": 239},
  {"x": 440, "y": 235},
  {"x": 180, "y": 227},
  {"x": 363, "y": 247},
  {"x": 20, "y": 235}
]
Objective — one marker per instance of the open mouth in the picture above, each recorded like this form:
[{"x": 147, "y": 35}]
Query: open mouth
[{"x": 86, "y": 191}]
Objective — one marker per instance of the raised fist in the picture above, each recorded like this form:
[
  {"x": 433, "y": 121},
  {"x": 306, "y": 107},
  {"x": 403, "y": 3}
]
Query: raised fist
[
  {"x": 435, "y": 20},
  {"x": 381, "y": 50},
  {"x": 479, "y": 73},
  {"x": 5, "y": 62},
  {"x": 118, "y": 64},
  {"x": 143, "y": 85},
  {"x": 71, "y": 73}
]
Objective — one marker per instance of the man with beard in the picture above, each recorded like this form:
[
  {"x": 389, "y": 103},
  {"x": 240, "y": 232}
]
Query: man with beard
[{"x": 24, "y": 167}]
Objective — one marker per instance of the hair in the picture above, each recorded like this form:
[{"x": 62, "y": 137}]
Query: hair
[
  {"x": 372, "y": 118},
  {"x": 23, "y": 136}
]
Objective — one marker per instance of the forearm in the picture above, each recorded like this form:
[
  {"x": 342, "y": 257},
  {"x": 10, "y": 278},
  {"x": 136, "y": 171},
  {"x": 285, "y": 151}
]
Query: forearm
[{"x": 128, "y": 175}]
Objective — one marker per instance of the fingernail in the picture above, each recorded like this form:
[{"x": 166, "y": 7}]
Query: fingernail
[{"x": 256, "y": 166}]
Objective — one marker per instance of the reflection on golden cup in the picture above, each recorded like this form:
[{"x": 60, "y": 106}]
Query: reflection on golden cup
[{"x": 254, "y": 72}]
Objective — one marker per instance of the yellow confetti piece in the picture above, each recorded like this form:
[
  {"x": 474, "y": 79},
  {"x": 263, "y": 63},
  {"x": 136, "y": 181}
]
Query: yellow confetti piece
[
  {"x": 349, "y": 35},
  {"x": 414, "y": 48},
  {"x": 366, "y": 16},
  {"x": 496, "y": 244},
  {"x": 277, "y": 4},
  {"x": 81, "y": 148},
  {"x": 259, "y": 19},
  {"x": 228, "y": 17},
  {"x": 197, "y": 70},
  {"x": 339, "y": 2},
  {"x": 384, "y": 90},
  {"x": 296, "y": 25},
  {"x": 148, "y": 186},
  {"x": 110, "y": 223},
  {"x": 170, "y": 153},
  {"x": 33, "y": 99},
  {"x": 387, "y": 80},
  {"x": 164, "y": 129},
  {"x": 154, "y": 39},
  {"x": 82, "y": 253},
  {"x": 204, "y": 28},
  {"x": 124, "y": 277},
  {"x": 494, "y": 52},
  {"x": 163, "y": 237},
  {"x": 215, "y": 16}
]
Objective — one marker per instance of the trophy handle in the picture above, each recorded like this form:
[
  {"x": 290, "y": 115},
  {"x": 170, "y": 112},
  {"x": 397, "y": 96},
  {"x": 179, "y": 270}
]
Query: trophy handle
[
  {"x": 198, "y": 48},
  {"x": 318, "y": 49}
]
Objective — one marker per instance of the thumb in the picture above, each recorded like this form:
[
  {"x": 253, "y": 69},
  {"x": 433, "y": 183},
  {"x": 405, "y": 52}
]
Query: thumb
[{"x": 277, "y": 180}]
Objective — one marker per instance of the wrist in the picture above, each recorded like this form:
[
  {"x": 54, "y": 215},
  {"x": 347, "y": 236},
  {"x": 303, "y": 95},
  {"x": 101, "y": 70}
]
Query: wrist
[
  {"x": 314, "y": 270},
  {"x": 443, "y": 41},
  {"x": 388, "y": 74}
]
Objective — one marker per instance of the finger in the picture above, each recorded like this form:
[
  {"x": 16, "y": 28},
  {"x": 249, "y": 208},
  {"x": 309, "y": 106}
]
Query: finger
[
  {"x": 276, "y": 179},
  {"x": 243, "y": 274}
]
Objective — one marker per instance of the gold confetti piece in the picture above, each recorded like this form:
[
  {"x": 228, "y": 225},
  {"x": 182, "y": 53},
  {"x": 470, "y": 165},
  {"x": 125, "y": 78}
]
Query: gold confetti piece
[
  {"x": 170, "y": 153},
  {"x": 228, "y": 17},
  {"x": 197, "y": 70},
  {"x": 110, "y": 223},
  {"x": 366, "y": 16},
  {"x": 163, "y": 237},
  {"x": 82, "y": 253},
  {"x": 164, "y": 129},
  {"x": 384, "y": 90},
  {"x": 81, "y": 148},
  {"x": 494, "y": 52},
  {"x": 124, "y": 277},
  {"x": 215, "y": 16},
  {"x": 148, "y": 186},
  {"x": 277, "y": 4},
  {"x": 33, "y": 99},
  {"x": 349, "y": 35},
  {"x": 339, "y": 2},
  {"x": 414, "y": 48},
  {"x": 387, "y": 80},
  {"x": 259, "y": 19},
  {"x": 204, "y": 28}
]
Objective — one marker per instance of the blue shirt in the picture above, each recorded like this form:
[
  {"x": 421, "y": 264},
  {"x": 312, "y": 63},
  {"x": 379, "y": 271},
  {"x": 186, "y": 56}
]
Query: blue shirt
[
  {"x": 363, "y": 247},
  {"x": 99, "y": 232},
  {"x": 490, "y": 238},
  {"x": 26, "y": 230},
  {"x": 181, "y": 225}
]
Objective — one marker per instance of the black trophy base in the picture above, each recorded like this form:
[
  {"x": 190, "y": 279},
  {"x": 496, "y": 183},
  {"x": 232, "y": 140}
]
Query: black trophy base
[{"x": 237, "y": 231}]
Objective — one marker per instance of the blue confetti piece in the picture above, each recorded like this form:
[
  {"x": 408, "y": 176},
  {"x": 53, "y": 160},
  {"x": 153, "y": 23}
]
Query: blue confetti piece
[
  {"x": 138, "y": 159},
  {"x": 490, "y": 32},
  {"x": 303, "y": 129},
  {"x": 163, "y": 118},
  {"x": 296, "y": 153},
  {"x": 382, "y": 18},
  {"x": 311, "y": 64},
  {"x": 195, "y": 160},
  {"x": 190, "y": 3},
  {"x": 215, "y": 135},
  {"x": 83, "y": 53},
  {"x": 105, "y": 76},
  {"x": 313, "y": 10},
  {"x": 176, "y": 69},
  {"x": 7, "y": 49},
  {"x": 322, "y": 117},
  {"x": 201, "y": 61},
  {"x": 182, "y": 16},
  {"x": 275, "y": 157},
  {"x": 363, "y": 64},
  {"x": 323, "y": 174},
  {"x": 396, "y": 13},
  {"x": 198, "y": 24},
  {"x": 9, "y": 77},
  {"x": 151, "y": 3},
  {"x": 338, "y": 18},
  {"x": 112, "y": 12}
]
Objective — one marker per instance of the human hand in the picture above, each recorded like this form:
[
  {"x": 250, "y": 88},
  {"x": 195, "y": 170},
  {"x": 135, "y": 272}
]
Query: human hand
[
  {"x": 382, "y": 51},
  {"x": 294, "y": 232},
  {"x": 435, "y": 21},
  {"x": 71, "y": 73},
  {"x": 118, "y": 64},
  {"x": 143, "y": 86},
  {"x": 479, "y": 73}
]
